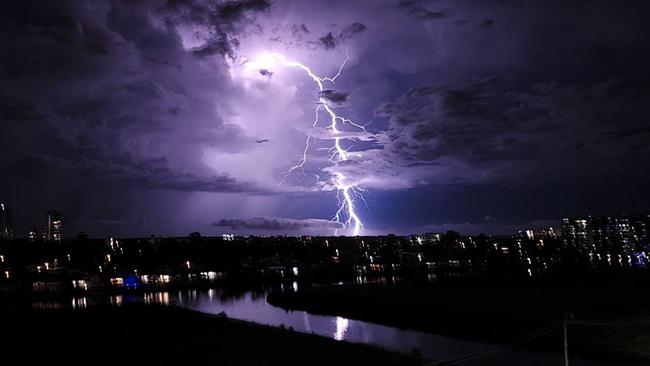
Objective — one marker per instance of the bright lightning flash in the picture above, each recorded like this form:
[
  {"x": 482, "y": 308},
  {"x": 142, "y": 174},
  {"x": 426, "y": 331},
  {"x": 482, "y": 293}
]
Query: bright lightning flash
[{"x": 346, "y": 192}]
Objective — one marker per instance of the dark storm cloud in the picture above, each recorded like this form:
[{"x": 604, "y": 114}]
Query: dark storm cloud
[
  {"x": 101, "y": 103},
  {"x": 561, "y": 103},
  {"x": 418, "y": 9},
  {"x": 352, "y": 29},
  {"x": 486, "y": 24},
  {"x": 115, "y": 222},
  {"x": 329, "y": 41},
  {"x": 187, "y": 182},
  {"x": 15, "y": 108},
  {"x": 422, "y": 13},
  {"x": 234, "y": 10},
  {"x": 335, "y": 97},
  {"x": 223, "y": 21},
  {"x": 117, "y": 171},
  {"x": 144, "y": 88},
  {"x": 267, "y": 73},
  {"x": 278, "y": 224},
  {"x": 332, "y": 39},
  {"x": 297, "y": 30},
  {"x": 214, "y": 12},
  {"x": 218, "y": 44},
  {"x": 494, "y": 131}
]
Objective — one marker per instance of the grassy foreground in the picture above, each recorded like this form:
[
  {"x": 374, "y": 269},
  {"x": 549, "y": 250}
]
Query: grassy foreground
[
  {"x": 496, "y": 312},
  {"x": 139, "y": 335}
]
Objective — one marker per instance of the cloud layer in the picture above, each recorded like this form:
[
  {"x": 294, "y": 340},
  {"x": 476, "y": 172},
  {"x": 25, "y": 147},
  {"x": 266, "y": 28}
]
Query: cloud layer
[
  {"x": 141, "y": 108},
  {"x": 279, "y": 224}
]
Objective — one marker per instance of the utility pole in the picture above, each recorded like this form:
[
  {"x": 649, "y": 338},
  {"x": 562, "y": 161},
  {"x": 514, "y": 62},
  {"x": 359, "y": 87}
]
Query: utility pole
[{"x": 567, "y": 317}]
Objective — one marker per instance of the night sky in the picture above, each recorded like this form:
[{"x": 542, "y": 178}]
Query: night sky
[{"x": 144, "y": 117}]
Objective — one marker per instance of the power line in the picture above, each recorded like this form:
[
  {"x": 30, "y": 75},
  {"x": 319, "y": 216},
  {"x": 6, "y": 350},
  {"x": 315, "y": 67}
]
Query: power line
[
  {"x": 612, "y": 322},
  {"x": 542, "y": 332},
  {"x": 497, "y": 348}
]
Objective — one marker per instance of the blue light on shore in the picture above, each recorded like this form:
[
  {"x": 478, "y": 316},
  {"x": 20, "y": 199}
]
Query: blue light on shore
[{"x": 131, "y": 282}]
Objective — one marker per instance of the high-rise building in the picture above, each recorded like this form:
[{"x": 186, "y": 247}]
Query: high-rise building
[
  {"x": 612, "y": 233},
  {"x": 640, "y": 225},
  {"x": 6, "y": 223},
  {"x": 606, "y": 234},
  {"x": 577, "y": 233},
  {"x": 32, "y": 234},
  {"x": 53, "y": 230}
]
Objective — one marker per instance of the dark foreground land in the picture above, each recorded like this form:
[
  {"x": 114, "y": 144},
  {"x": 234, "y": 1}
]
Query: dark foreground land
[
  {"x": 503, "y": 311},
  {"x": 141, "y": 335}
]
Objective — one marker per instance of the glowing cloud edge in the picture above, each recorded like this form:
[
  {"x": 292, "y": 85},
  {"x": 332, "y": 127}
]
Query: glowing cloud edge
[{"x": 346, "y": 213}]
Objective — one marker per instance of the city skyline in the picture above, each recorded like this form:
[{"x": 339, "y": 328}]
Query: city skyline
[
  {"x": 168, "y": 117},
  {"x": 587, "y": 225}
]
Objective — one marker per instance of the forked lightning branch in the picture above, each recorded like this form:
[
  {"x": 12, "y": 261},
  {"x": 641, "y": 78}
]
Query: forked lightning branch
[{"x": 347, "y": 192}]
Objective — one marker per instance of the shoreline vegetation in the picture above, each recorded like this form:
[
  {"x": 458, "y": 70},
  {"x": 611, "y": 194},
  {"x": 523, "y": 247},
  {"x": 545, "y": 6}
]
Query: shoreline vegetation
[
  {"x": 504, "y": 311},
  {"x": 140, "y": 334}
]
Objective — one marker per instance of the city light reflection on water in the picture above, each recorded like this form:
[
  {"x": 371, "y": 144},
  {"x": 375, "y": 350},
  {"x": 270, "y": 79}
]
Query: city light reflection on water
[
  {"x": 116, "y": 300},
  {"x": 158, "y": 298},
  {"x": 79, "y": 303},
  {"x": 341, "y": 328}
]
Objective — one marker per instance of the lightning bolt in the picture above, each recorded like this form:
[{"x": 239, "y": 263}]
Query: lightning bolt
[{"x": 347, "y": 193}]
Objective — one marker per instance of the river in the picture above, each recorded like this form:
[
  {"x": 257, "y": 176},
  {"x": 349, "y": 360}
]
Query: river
[{"x": 252, "y": 306}]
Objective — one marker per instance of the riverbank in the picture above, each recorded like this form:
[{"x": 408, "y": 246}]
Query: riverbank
[
  {"x": 152, "y": 335},
  {"x": 497, "y": 312}
]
